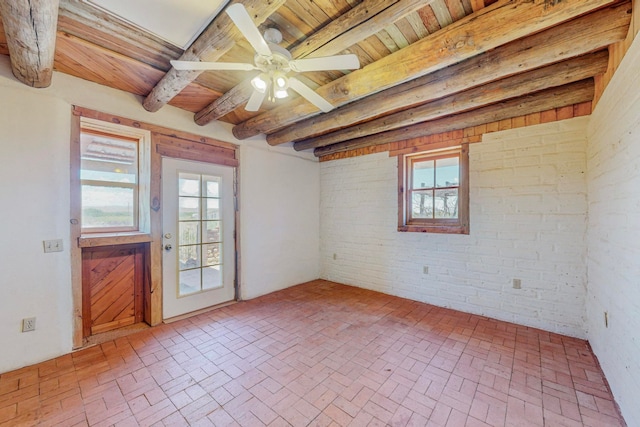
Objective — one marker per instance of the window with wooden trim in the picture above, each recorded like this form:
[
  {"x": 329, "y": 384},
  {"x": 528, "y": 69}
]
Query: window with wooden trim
[
  {"x": 114, "y": 175},
  {"x": 434, "y": 191}
]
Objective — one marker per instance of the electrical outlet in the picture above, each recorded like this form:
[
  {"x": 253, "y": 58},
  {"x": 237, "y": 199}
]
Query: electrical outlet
[
  {"x": 517, "y": 284},
  {"x": 52, "y": 245},
  {"x": 425, "y": 270},
  {"x": 28, "y": 324}
]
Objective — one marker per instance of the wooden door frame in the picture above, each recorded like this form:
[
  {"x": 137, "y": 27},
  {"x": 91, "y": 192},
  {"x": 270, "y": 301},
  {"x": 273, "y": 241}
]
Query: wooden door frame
[{"x": 165, "y": 142}]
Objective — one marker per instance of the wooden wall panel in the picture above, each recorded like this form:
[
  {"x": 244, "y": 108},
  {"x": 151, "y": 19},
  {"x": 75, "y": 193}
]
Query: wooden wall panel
[{"x": 113, "y": 282}]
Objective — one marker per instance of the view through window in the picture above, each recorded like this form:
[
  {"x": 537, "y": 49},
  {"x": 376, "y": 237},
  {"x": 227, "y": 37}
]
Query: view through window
[
  {"x": 109, "y": 170},
  {"x": 435, "y": 191}
]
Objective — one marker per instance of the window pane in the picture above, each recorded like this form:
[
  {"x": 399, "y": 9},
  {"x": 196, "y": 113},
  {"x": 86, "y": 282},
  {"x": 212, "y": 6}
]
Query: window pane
[
  {"x": 422, "y": 204},
  {"x": 109, "y": 159},
  {"x": 212, "y": 186},
  {"x": 446, "y": 203},
  {"x": 189, "y": 257},
  {"x": 107, "y": 207},
  {"x": 211, "y": 232},
  {"x": 189, "y": 184},
  {"x": 108, "y": 172},
  {"x": 212, "y": 254},
  {"x": 189, "y": 233},
  {"x": 213, "y": 209},
  {"x": 200, "y": 235},
  {"x": 188, "y": 209},
  {"x": 212, "y": 277},
  {"x": 189, "y": 282},
  {"x": 448, "y": 172},
  {"x": 423, "y": 174}
]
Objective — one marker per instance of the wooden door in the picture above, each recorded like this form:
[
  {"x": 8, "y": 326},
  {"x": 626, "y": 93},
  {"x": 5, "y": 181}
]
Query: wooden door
[{"x": 113, "y": 283}]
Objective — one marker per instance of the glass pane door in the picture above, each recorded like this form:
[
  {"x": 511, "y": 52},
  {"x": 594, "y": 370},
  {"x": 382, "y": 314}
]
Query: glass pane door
[
  {"x": 199, "y": 233},
  {"x": 198, "y": 222}
]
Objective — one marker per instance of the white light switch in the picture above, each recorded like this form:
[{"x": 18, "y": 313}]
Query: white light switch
[{"x": 52, "y": 245}]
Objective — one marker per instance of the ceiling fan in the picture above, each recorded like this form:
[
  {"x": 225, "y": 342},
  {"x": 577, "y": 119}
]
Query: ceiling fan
[{"x": 274, "y": 63}]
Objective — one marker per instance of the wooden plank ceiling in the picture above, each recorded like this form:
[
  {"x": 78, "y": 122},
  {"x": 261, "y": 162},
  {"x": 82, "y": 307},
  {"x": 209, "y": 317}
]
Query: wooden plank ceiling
[{"x": 426, "y": 64}]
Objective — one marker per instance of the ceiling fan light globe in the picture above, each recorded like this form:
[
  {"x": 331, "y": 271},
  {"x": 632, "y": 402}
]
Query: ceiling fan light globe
[
  {"x": 280, "y": 82},
  {"x": 280, "y": 93},
  {"x": 260, "y": 83}
]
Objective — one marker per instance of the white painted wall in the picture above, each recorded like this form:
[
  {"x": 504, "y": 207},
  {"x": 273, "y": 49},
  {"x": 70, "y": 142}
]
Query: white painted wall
[
  {"x": 614, "y": 234},
  {"x": 528, "y": 220},
  {"x": 280, "y": 216},
  {"x": 34, "y": 195},
  {"x": 278, "y": 250}
]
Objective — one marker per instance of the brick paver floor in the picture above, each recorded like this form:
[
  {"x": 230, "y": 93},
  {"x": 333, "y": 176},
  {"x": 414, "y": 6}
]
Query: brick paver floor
[{"x": 319, "y": 354}]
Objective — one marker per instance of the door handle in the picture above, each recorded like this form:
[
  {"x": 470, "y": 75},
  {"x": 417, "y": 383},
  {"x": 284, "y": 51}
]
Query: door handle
[{"x": 167, "y": 247}]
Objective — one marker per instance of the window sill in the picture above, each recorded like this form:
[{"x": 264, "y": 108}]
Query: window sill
[
  {"x": 444, "y": 229},
  {"x": 92, "y": 240}
]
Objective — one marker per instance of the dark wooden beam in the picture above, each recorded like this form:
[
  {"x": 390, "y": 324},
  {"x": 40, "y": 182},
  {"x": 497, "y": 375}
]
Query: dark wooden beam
[
  {"x": 573, "y": 93},
  {"x": 480, "y": 32},
  {"x": 30, "y": 29},
  {"x": 576, "y": 37},
  {"x": 215, "y": 41},
  {"x": 515, "y": 86},
  {"x": 364, "y": 20}
]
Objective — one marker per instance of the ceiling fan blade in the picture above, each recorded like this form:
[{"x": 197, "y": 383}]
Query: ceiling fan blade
[
  {"x": 310, "y": 95},
  {"x": 255, "y": 101},
  {"x": 196, "y": 65},
  {"x": 243, "y": 21},
  {"x": 335, "y": 62}
]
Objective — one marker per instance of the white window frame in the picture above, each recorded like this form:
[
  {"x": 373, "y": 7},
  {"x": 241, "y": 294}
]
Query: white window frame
[{"x": 142, "y": 193}]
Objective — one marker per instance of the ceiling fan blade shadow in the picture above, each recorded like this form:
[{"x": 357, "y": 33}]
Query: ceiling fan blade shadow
[
  {"x": 196, "y": 65},
  {"x": 255, "y": 101},
  {"x": 326, "y": 63},
  {"x": 247, "y": 27},
  {"x": 310, "y": 95}
]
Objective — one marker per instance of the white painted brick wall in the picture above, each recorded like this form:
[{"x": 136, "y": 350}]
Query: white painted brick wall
[
  {"x": 614, "y": 234},
  {"x": 528, "y": 220}
]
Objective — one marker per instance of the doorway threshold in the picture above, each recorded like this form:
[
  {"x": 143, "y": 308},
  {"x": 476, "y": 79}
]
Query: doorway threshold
[
  {"x": 195, "y": 313},
  {"x": 114, "y": 334}
]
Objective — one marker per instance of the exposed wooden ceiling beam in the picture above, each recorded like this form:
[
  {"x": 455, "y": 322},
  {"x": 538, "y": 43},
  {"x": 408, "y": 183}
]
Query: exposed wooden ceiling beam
[
  {"x": 214, "y": 42},
  {"x": 574, "y": 93},
  {"x": 486, "y": 29},
  {"x": 515, "y": 86},
  {"x": 232, "y": 99},
  {"x": 364, "y": 20},
  {"x": 30, "y": 28},
  {"x": 576, "y": 37}
]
